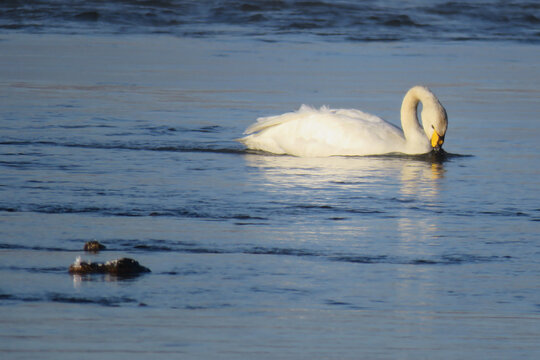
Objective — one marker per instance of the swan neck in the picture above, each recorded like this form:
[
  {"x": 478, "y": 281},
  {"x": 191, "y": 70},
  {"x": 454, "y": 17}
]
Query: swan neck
[{"x": 409, "y": 110}]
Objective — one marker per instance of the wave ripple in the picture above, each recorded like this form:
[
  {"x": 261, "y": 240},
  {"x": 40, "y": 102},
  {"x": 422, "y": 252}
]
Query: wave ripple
[{"x": 271, "y": 20}]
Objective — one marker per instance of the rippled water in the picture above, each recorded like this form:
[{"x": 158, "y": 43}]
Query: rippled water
[
  {"x": 129, "y": 140},
  {"x": 274, "y": 20}
]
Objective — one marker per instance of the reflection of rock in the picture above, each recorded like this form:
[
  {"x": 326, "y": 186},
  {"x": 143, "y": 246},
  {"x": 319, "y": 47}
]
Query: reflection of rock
[
  {"x": 93, "y": 246},
  {"x": 119, "y": 267}
]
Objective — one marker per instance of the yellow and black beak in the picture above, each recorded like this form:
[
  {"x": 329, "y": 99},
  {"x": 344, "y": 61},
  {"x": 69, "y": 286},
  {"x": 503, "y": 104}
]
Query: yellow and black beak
[{"x": 436, "y": 140}]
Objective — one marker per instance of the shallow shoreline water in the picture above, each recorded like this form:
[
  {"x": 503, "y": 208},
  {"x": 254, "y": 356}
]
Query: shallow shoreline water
[{"x": 129, "y": 140}]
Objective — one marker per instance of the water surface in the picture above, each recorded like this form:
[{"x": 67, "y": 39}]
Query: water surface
[{"x": 129, "y": 140}]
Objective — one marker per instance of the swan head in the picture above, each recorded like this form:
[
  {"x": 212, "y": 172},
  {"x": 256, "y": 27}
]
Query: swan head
[{"x": 435, "y": 122}]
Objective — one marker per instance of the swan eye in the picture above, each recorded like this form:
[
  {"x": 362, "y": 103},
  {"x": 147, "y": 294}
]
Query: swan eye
[{"x": 433, "y": 127}]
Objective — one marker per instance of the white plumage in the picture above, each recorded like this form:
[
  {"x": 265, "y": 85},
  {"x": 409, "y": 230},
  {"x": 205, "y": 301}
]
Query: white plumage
[{"x": 311, "y": 132}]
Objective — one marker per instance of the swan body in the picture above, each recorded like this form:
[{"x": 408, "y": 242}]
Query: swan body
[{"x": 311, "y": 132}]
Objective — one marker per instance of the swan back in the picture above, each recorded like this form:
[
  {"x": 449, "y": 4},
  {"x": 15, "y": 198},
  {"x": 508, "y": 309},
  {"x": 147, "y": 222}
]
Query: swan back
[{"x": 311, "y": 132}]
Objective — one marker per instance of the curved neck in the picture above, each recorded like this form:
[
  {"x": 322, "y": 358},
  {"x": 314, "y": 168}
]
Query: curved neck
[{"x": 409, "y": 117}]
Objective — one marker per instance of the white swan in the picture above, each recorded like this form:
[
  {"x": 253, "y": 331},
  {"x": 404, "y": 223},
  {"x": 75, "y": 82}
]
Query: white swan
[{"x": 310, "y": 132}]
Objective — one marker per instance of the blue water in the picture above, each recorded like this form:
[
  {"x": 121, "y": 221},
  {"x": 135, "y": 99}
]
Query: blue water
[
  {"x": 276, "y": 20},
  {"x": 119, "y": 130}
]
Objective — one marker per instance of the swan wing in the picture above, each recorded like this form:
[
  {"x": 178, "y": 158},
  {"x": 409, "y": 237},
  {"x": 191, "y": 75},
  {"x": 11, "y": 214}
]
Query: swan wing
[
  {"x": 324, "y": 132},
  {"x": 266, "y": 122}
]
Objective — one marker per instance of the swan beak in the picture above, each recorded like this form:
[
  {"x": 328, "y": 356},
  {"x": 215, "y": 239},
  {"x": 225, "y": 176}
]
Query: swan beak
[{"x": 436, "y": 140}]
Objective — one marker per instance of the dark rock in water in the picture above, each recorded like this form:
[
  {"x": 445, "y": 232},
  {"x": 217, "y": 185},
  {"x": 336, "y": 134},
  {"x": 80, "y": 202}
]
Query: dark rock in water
[
  {"x": 82, "y": 268},
  {"x": 125, "y": 266},
  {"x": 93, "y": 246},
  {"x": 118, "y": 267}
]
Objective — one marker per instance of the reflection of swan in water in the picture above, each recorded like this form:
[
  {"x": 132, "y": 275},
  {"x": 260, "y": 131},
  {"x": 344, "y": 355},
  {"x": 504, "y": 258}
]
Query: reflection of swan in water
[
  {"x": 418, "y": 175},
  {"x": 385, "y": 188},
  {"x": 413, "y": 176},
  {"x": 313, "y": 133}
]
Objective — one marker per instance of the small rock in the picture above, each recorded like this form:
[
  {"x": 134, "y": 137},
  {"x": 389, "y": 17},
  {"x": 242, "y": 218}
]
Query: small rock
[
  {"x": 81, "y": 267},
  {"x": 119, "y": 267},
  {"x": 125, "y": 266},
  {"x": 94, "y": 246}
]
